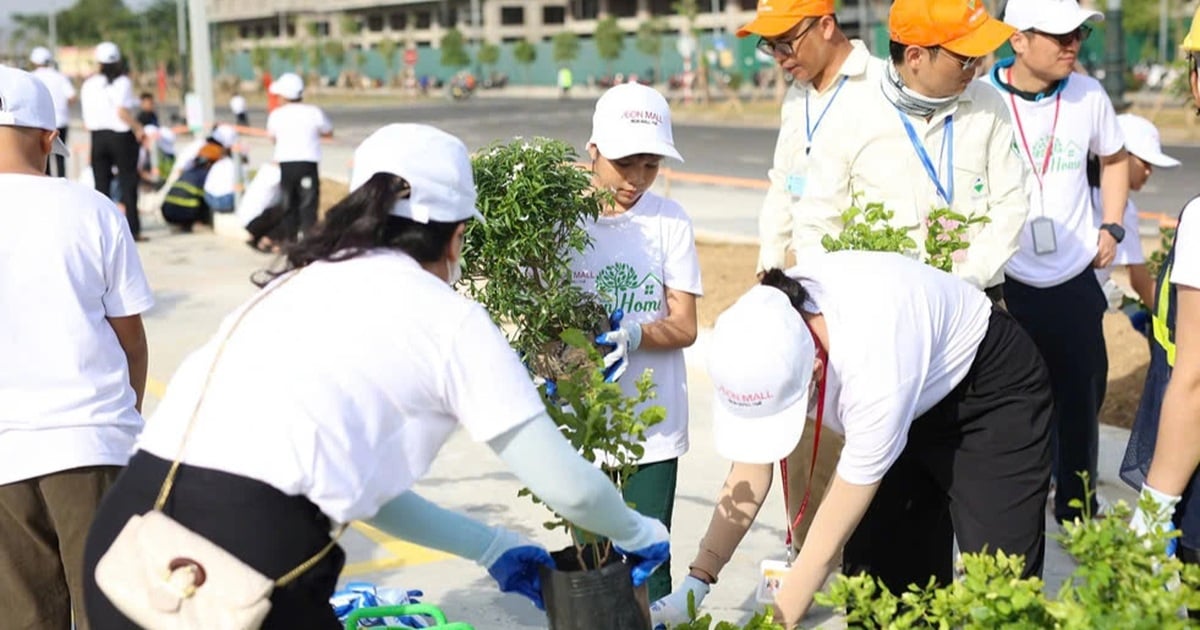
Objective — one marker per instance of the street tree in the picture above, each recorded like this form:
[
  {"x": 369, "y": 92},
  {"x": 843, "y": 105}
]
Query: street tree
[
  {"x": 610, "y": 41},
  {"x": 525, "y": 53},
  {"x": 454, "y": 50},
  {"x": 649, "y": 42},
  {"x": 489, "y": 55},
  {"x": 566, "y": 47}
]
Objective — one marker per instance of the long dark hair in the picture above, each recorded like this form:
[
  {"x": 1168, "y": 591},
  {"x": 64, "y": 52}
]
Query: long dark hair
[
  {"x": 360, "y": 223},
  {"x": 790, "y": 287},
  {"x": 112, "y": 70}
]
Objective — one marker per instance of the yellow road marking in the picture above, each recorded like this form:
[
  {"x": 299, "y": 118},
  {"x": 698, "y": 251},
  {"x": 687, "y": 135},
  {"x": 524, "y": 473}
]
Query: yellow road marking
[{"x": 402, "y": 554}]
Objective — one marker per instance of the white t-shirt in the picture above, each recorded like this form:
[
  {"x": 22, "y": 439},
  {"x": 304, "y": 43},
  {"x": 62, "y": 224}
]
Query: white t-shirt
[
  {"x": 237, "y": 104},
  {"x": 1129, "y": 250},
  {"x": 352, "y": 415},
  {"x": 1086, "y": 122},
  {"x": 1186, "y": 269},
  {"x": 296, "y": 129},
  {"x": 99, "y": 100},
  {"x": 903, "y": 336},
  {"x": 65, "y": 398},
  {"x": 61, "y": 92},
  {"x": 636, "y": 256}
]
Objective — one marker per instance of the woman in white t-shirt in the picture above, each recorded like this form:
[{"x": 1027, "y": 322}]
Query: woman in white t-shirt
[
  {"x": 943, "y": 400},
  {"x": 283, "y": 431},
  {"x": 643, "y": 266},
  {"x": 107, "y": 102}
]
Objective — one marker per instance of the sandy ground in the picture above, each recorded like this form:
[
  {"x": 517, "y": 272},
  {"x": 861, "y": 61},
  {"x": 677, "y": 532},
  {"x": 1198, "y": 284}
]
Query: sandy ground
[{"x": 728, "y": 270}]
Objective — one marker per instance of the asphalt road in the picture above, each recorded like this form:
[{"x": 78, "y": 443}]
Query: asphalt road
[{"x": 708, "y": 148}]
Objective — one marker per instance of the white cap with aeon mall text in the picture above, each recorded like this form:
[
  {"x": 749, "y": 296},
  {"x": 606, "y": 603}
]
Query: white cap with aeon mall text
[
  {"x": 760, "y": 359},
  {"x": 434, "y": 163},
  {"x": 1056, "y": 17},
  {"x": 632, "y": 119},
  {"x": 1142, "y": 140},
  {"x": 25, "y": 102}
]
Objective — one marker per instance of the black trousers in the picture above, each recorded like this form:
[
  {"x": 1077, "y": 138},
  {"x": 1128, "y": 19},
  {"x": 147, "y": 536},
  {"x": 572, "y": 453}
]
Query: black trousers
[
  {"x": 268, "y": 530},
  {"x": 120, "y": 149},
  {"x": 301, "y": 186},
  {"x": 1067, "y": 324},
  {"x": 56, "y": 166},
  {"x": 976, "y": 466}
]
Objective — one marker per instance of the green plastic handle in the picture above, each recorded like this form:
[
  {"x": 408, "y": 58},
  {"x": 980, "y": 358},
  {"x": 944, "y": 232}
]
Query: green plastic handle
[{"x": 376, "y": 612}]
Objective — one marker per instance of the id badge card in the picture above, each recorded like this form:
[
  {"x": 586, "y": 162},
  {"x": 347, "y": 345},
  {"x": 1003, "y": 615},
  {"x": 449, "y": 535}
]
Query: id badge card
[
  {"x": 1044, "y": 241},
  {"x": 796, "y": 185},
  {"x": 770, "y": 580}
]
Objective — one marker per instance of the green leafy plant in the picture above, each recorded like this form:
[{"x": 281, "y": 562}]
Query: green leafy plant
[
  {"x": 760, "y": 621},
  {"x": 1123, "y": 580},
  {"x": 945, "y": 237},
  {"x": 525, "y": 53},
  {"x": 610, "y": 41},
  {"x": 454, "y": 50},
  {"x": 868, "y": 228},
  {"x": 565, "y": 47}
]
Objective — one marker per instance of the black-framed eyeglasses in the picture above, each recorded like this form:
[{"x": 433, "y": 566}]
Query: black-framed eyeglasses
[
  {"x": 1066, "y": 39},
  {"x": 784, "y": 48},
  {"x": 966, "y": 63}
]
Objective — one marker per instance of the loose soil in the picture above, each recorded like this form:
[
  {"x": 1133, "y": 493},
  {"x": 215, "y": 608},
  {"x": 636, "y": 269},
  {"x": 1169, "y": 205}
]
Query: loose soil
[{"x": 728, "y": 271}]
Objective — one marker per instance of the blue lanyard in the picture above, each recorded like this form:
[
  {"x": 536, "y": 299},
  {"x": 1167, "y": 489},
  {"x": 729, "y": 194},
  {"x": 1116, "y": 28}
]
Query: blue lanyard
[
  {"x": 919, "y": 147},
  {"x": 811, "y": 129}
]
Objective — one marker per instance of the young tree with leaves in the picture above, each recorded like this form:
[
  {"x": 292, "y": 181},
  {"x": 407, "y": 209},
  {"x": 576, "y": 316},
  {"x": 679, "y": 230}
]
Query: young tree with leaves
[
  {"x": 387, "y": 53},
  {"x": 610, "y": 41},
  {"x": 566, "y": 47},
  {"x": 525, "y": 53},
  {"x": 649, "y": 42},
  {"x": 454, "y": 50},
  {"x": 489, "y": 55}
]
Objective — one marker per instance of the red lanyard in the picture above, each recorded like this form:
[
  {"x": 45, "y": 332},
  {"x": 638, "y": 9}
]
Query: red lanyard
[
  {"x": 1025, "y": 143},
  {"x": 793, "y": 524}
]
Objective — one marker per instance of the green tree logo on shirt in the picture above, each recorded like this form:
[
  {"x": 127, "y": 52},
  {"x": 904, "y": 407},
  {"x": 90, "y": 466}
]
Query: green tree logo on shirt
[
  {"x": 1067, "y": 157},
  {"x": 618, "y": 286}
]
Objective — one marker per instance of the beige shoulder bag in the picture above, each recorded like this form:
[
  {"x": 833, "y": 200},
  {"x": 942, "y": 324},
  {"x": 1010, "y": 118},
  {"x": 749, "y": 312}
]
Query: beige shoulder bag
[{"x": 164, "y": 576}]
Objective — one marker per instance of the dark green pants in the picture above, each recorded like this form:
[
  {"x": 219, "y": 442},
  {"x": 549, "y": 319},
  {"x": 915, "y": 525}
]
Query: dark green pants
[{"x": 651, "y": 491}]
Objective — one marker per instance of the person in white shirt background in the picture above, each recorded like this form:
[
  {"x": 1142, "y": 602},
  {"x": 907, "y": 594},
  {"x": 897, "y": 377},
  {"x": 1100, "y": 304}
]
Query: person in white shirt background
[
  {"x": 297, "y": 129},
  {"x": 1162, "y": 458},
  {"x": 237, "y": 107},
  {"x": 644, "y": 269},
  {"x": 73, "y": 367},
  {"x": 1145, "y": 154},
  {"x": 930, "y": 137},
  {"x": 942, "y": 399},
  {"x": 1050, "y": 284},
  {"x": 108, "y": 102},
  {"x": 271, "y": 431},
  {"x": 63, "y": 92}
]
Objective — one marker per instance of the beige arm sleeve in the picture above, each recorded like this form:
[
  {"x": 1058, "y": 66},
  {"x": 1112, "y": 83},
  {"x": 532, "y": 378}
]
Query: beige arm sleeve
[{"x": 745, "y": 490}]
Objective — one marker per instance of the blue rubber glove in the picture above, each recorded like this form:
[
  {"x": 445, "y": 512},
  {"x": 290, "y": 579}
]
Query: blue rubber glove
[
  {"x": 1139, "y": 318},
  {"x": 513, "y": 561},
  {"x": 650, "y": 547},
  {"x": 624, "y": 337}
]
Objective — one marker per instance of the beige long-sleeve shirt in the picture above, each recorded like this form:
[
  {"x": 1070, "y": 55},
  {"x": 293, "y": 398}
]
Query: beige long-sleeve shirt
[
  {"x": 806, "y": 110},
  {"x": 873, "y": 157}
]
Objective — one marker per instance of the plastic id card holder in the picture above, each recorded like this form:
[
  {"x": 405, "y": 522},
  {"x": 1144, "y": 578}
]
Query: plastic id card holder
[
  {"x": 1044, "y": 241},
  {"x": 770, "y": 580},
  {"x": 796, "y": 185}
]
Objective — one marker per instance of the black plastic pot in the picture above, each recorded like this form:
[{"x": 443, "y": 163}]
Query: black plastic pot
[{"x": 586, "y": 598}]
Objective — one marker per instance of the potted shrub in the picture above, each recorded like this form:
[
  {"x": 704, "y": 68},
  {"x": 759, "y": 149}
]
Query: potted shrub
[
  {"x": 536, "y": 201},
  {"x": 870, "y": 228}
]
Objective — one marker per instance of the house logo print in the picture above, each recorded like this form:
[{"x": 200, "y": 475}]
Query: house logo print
[{"x": 619, "y": 286}]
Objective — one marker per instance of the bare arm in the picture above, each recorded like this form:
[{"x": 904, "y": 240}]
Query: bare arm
[
  {"x": 1114, "y": 194},
  {"x": 1142, "y": 283},
  {"x": 839, "y": 513},
  {"x": 1177, "y": 449},
  {"x": 741, "y": 497},
  {"x": 129, "y": 119},
  {"x": 132, "y": 337},
  {"x": 677, "y": 329}
]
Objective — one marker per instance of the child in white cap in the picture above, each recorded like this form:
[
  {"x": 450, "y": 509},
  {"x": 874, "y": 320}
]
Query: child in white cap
[{"x": 644, "y": 268}]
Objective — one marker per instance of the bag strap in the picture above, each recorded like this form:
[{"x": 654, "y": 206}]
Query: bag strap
[{"x": 169, "y": 482}]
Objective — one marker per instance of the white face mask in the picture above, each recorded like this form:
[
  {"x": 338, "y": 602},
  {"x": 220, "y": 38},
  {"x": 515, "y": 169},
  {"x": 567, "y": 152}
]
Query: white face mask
[{"x": 454, "y": 271}]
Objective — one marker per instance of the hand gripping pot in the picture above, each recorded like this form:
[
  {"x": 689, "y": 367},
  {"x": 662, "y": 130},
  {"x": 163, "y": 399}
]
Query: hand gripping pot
[
  {"x": 164, "y": 576},
  {"x": 590, "y": 598}
]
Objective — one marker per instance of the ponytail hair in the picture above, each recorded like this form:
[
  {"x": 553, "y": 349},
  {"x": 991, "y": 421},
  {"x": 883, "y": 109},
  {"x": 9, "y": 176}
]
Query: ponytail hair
[
  {"x": 112, "y": 70},
  {"x": 363, "y": 222},
  {"x": 791, "y": 287}
]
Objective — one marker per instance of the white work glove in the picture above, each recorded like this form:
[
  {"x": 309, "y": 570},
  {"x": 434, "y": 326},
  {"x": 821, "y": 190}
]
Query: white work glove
[
  {"x": 673, "y": 609},
  {"x": 625, "y": 337},
  {"x": 1158, "y": 518}
]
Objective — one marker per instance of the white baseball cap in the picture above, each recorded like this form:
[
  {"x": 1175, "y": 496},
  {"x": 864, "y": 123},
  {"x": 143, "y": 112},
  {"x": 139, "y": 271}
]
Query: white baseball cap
[
  {"x": 1056, "y": 17},
  {"x": 434, "y": 163},
  {"x": 1142, "y": 140},
  {"x": 289, "y": 85},
  {"x": 25, "y": 102},
  {"x": 40, "y": 56},
  {"x": 632, "y": 118},
  {"x": 107, "y": 52},
  {"x": 225, "y": 135},
  {"x": 761, "y": 357}
]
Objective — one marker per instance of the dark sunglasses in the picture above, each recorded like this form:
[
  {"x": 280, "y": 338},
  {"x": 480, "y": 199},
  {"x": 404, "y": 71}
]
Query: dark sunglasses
[
  {"x": 1066, "y": 39},
  {"x": 784, "y": 48}
]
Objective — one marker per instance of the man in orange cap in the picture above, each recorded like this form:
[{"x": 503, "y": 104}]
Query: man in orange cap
[{"x": 931, "y": 138}]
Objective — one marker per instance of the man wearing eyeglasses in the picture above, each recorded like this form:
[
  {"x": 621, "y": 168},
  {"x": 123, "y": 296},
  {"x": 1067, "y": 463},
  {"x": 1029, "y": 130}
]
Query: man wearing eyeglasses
[
  {"x": 1050, "y": 286},
  {"x": 927, "y": 137},
  {"x": 828, "y": 70}
]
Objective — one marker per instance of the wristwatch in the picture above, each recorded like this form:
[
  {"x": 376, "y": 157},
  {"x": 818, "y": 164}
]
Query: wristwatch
[{"x": 1116, "y": 229}]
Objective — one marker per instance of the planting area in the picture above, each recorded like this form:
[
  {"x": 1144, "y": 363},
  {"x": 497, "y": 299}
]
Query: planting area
[{"x": 728, "y": 270}]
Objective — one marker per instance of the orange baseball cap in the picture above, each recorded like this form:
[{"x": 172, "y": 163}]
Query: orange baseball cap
[
  {"x": 960, "y": 26},
  {"x": 776, "y": 17}
]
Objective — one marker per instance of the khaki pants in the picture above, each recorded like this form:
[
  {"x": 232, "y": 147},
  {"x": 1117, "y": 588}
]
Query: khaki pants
[
  {"x": 798, "y": 464},
  {"x": 44, "y": 523}
]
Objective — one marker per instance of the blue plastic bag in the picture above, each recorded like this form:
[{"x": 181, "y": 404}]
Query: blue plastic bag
[{"x": 357, "y": 595}]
